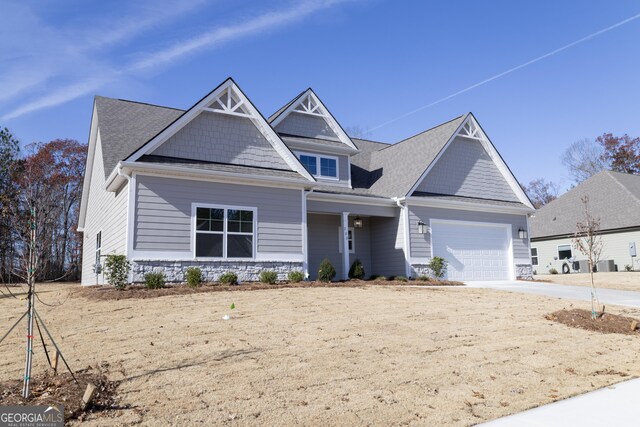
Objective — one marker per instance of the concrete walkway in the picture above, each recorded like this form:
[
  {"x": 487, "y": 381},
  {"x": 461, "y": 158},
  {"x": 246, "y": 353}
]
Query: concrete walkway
[
  {"x": 580, "y": 293},
  {"x": 616, "y": 405}
]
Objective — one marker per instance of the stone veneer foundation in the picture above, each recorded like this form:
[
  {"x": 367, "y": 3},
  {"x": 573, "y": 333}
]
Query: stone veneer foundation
[{"x": 174, "y": 271}]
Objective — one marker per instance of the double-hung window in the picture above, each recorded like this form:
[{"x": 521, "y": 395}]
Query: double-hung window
[
  {"x": 534, "y": 256},
  {"x": 224, "y": 232},
  {"x": 564, "y": 252},
  {"x": 320, "y": 165}
]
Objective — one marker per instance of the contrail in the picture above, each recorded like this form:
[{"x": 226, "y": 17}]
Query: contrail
[{"x": 509, "y": 71}]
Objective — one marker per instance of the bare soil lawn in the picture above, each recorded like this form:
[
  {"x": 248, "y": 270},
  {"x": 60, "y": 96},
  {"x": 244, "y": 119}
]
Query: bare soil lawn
[
  {"x": 327, "y": 356},
  {"x": 622, "y": 280}
]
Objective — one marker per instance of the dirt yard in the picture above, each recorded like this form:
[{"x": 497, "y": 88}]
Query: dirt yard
[
  {"x": 328, "y": 356},
  {"x": 623, "y": 280}
]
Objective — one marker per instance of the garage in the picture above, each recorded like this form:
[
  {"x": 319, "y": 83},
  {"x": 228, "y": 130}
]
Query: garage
[{"x": 474, "y": 251}]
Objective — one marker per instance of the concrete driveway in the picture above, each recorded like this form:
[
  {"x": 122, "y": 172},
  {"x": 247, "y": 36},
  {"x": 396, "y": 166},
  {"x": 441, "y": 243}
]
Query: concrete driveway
[{"x": 580, "y": 293}]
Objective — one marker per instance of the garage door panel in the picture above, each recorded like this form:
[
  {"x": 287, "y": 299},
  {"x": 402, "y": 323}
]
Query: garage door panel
[{"x": 473, "y": 252}]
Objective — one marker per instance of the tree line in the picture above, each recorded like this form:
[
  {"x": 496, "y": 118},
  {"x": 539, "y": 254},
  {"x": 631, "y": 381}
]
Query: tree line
[
  {"x": 40, "y": 192},
  {"x": 585, "y": 158}
]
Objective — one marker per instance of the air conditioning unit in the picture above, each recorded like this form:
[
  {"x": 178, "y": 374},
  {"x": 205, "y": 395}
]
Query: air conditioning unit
[{"x": 606, "y": 265}]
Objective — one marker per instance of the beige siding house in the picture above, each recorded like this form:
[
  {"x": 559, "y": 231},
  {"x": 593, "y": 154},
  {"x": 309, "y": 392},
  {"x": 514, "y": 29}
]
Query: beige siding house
[{"x": 221, "y": 187}]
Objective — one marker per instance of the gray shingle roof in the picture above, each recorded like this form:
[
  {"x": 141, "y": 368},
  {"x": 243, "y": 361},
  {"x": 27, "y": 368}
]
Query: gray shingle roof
[
  {"x": 613, "y": 197},
  {"x": 292, "y": 139},
  {"x": 126, "y": 125}
]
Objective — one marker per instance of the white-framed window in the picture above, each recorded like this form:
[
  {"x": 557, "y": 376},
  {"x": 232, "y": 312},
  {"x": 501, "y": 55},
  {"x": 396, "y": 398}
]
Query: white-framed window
[
  {"x": 320, "y": 165},
  {"x": 534, "y": 256},
  {"x": 351, "y": 243},
  {"x": 564, "y": 252},
  {"x": 224, "y": 231},
  {"x": 98, "y": 247}
]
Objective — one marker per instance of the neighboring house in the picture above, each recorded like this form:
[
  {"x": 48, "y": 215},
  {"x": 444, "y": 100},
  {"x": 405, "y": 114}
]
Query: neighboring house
[
  {"x": 221, "y": 187},
  {"x": 614, "y": 198}
]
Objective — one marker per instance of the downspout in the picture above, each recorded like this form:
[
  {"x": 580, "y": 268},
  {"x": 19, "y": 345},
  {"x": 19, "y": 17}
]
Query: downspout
[
  {"x": 305, "y": 234},
  {"x": 407, "y": 244}
]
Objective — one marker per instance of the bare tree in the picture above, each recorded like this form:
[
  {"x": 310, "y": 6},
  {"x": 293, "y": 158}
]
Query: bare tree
[
  {"x": 357, "y": 132},
  {"x": 541, "y": 192},
  {"x": 588, "y": 240},
  {"x": 584, "y": 158}
]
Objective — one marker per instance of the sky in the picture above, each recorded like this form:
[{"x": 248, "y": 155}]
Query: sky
[{"x": 537, "y": 75}]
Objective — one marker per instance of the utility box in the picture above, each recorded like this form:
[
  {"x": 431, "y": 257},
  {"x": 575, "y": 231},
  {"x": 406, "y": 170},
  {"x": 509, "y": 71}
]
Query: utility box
[
  {"x": 583, "y": 266},
  {"x": 632, "y": 249},
  {"x": 606, "y": 265}
]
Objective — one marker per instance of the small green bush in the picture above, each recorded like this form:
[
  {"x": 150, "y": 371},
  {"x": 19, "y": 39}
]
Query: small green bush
[
  {"x": 194, "y": 277},
  {"x": 375, "y": 277},
  {"x": 553, "y": 271},
  {"x": 326, "y": 272},
  {"x": 400, "y": 279},
  {"x": 424, "y": 278},
  {"x": 116, "y": 270},
  {"x": 439, "y": 266},
  {"x": 295, "y": 276},
  {"x": 357, "y": 270},
  {"x": 154, "y": 280},
  {"x": 270, "y": 277},
  {"x": 229, "y": 278}
]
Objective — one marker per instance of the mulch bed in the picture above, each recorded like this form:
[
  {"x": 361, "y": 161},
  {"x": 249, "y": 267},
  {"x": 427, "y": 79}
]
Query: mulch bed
[
  {"x": 47, "y": 389},
  {"x": 140, "y": 292},
  {"x": 607, "y": 324}
]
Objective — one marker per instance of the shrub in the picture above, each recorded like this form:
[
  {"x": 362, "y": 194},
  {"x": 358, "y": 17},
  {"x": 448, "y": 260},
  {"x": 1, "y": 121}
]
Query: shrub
[
  {"x": 424, "y": 278},
  {"x": 229, "y": 278},
  {"x": 270, "y": 277},
  {"x": 439, "y": 266},
  {"x": 295, "y": 276},
  {"x": 193, "y": 275},
  {"x": 154, "y": 280},
  {"x": 357, "y": 270},
  {"x": 116, "y": 270},
  {"x": 326, "y": 272},
  {"x": 374, "y": 277},
  {"x": 400, "y": 279},
  {"x": 553, "y": 271}
]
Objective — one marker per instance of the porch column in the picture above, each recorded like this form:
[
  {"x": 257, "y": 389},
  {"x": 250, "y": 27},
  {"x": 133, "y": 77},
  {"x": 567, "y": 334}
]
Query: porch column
[{"x": 345, "y": 245}]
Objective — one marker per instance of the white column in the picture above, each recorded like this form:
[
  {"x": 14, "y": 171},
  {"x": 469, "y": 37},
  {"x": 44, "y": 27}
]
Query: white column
[{"x": 345, "y": 245}]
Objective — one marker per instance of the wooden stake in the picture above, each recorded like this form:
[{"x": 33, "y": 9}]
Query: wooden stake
[
  {"x": 634, "y": 325},
  {"x": 88, "y": 395},
  {"x": 54, "y": 363}
]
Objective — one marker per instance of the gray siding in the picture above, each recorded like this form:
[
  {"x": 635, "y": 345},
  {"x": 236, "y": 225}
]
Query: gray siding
[
  {"x": 353, "y": 208},
  {"x": 224, "y": 139},
  {"x": 323, "y": 237},
  {"x": 466, "y": 169},
  {"x": 387, "y": 246},
  {"x": 106, "y": 212},
  {"x": 421, "y": 243},
  {"x": 163, "y": 213},
  {"x": 306, "y": 125}
]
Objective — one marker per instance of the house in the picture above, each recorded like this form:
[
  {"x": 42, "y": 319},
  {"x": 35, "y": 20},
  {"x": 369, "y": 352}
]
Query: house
[
  {"x": 614, "y": 198},
  {"x": 221, "y": 187}
]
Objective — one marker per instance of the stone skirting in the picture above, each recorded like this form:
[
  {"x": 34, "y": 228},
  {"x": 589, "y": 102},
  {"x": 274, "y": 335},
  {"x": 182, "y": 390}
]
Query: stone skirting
[
  {"x": 524, "y": 272},
  {"x": 211, "y": 270},
  {"x": 418, "y": 270}
]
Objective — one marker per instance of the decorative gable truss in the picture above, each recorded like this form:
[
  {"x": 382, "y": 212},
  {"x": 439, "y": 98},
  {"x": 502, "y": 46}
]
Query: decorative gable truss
[
  {"x": 309, "y": 104},
  {"x": 226, "y": 99},
  {"x": 470, "y": 129}
]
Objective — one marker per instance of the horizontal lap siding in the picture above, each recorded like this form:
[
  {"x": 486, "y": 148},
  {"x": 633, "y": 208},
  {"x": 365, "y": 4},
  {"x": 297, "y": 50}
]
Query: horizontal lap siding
[
  {"x": 421, "y": 243},
  {"x": 163, "y": 213},
  {"x": 387, "y": 246}
]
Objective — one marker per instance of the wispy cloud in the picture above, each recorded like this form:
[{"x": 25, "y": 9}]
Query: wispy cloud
[{"x": 177, "y": 51}]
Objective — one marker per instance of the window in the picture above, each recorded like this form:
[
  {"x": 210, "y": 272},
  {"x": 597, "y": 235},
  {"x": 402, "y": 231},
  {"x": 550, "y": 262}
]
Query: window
[
  {"x": 98, "y": 247},
  {"x": 564, "y": 252},
  {"x": 320, "y": 166},
  {"x": 534, "y": 256},
  {"x": 224, "y": 232},
  {"x": 350, "y": 240}
]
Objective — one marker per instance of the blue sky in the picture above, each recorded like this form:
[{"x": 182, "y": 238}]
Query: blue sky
[{"x": 369, "y": 61}]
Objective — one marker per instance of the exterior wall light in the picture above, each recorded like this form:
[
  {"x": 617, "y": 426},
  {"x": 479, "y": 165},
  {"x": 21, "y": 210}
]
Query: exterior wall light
[
  {"x": 422, "y": 229},
  {"x": 357, "y": 222},
  {"x": 523, "y": 233}
]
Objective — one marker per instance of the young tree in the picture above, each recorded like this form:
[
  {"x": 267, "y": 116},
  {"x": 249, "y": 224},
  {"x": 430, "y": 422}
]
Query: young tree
[
  {"x": 622, "y": 152},
  {"x": 541, "y": 192},
  {"x": 9, "y": 156},
  {"x": 588, "y": 240},
  {"x": 583, "y": 159}
]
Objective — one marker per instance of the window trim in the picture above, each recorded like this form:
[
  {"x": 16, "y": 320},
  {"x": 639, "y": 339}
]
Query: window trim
[
  {"x": 225, "y": 232},
  {"x": 319, "y": 156},
  {"x": 353, "y": 240},
  {"x": 558, "y": 251},
  {"x": 536, "y": 256},
  {"x": 98, "y": 251}
]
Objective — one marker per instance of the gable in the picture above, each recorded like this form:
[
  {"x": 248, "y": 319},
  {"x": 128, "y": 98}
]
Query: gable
[
  {"x": 306, "y": 125},
  {"x": 466, "y": 169},
  {"x": 222, "y": 138}
]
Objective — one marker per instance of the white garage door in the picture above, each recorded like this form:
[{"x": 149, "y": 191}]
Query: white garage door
[{"x": 473, "y": 252}]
